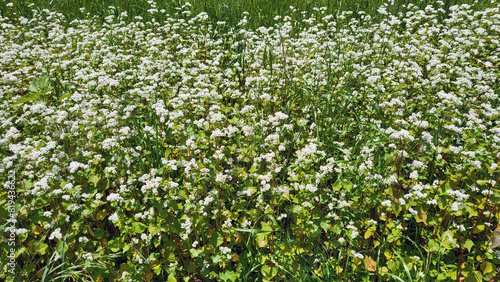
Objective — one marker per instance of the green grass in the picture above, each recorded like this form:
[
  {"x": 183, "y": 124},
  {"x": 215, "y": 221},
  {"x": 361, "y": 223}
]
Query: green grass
[{"x": 260, "y": 12}]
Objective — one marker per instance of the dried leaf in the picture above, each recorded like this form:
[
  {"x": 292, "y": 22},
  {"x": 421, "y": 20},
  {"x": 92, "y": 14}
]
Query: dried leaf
[
  {"x": 371, "y": 265},
  {"x": 495, "y": 238}
]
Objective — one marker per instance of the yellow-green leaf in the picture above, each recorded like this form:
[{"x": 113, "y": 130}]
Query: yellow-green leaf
[
  {"x": 487, "y": 267},
  {"x": 369, "y": 232},
  {"x": 469, "y": 244},
  {"x": 479, "y": 229},
  {"x": 269, "y": 272}
]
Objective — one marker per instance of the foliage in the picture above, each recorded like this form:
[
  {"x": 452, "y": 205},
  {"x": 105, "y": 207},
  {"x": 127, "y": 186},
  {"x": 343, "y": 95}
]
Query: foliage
[
  {"x": 259, "y": 12},
  {"x": 320, "y": 148}
]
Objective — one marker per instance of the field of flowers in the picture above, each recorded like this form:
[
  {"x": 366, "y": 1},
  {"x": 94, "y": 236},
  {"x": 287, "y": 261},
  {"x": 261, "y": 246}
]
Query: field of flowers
[{"x": 321, "y": 148}]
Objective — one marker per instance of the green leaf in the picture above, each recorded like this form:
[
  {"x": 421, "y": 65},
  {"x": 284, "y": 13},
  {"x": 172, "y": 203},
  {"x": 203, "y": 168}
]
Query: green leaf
[
  {"x": 405, "y": 266},
  {"x": 266, "y": 227},
  {"x": 138, "y": 227},
  {"x": 94, "y": 179},
  {"x": 370, "y": 231},
  {"x": 99, "y": 233},
  {"x": 156, "y": 242},
  {"x": 101, "y": 214},
  {"x": 40, "y": 248},
  {"x": 469, "y": 244},
  {"x": 433, "y": 246},
  {"x": 171, "y": 278},
  {"x": 216, "y": 258},
  {"x": 448, "y": 241},
  {"x": 195, "y": 252},
  {"x": 261, "y": 240},
  {"x": 325, "y": 225},
  {"x": 191, "y": 268},
  {"x": 315, "y": 231},
  {"x": 348, "y": 186},
  {"x": 482, "y": 182},
  {"x": 228, "y": 275},
  {"x": 216, "y": 239},
  {"x": 337, "y": 186},
  {"x": 479, "y": 229},
  {"x": 28, "y": 97},
  {"x": 65, "y": 96},
  {"x": 126, "y": 267},
  {"x": 154, "y": 229},
  {"x": 487, "y": 267},
  {"x": 39, "y": 88},
  {"x": 116, "y": 245},
  {"x": 34, "y": 88},
  {"x": 220, "y": 240},
  {"x": 476, "y": 276},
  {"x": 269, "y": 272}
]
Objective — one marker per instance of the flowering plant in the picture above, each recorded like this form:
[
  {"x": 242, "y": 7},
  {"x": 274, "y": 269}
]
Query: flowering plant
[{"x": 323, "y": 147}]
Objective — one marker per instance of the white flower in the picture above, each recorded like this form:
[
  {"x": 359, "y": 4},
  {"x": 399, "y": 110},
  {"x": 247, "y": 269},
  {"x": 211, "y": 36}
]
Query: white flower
[
  {"x": 114, "y": 216},
  {"x": 221, "y": 178},
  {"x": 111, "y": 170},
  {"x": 427, "y": 137},
  {"x": 56, "y": 234},
  {"x": 418, "y": 164},
  {"x": 386, "y": 203},
  {"x": 432, "y": 202},
  {"x": 357, "y": 255},
  {"x": 311, "y": 188},
  {"x": 402, "y": 134},
  {"x": 109, "y": 143},
  {"x": 414, "y": 174},
  {"x": 20, "y": 231},
  {"x": 217, "y": 133},
  {"x": 412, "y": 211},
  {"x": 114, "y": 197},
  {"x": 74, "y": 166},
  {"x": 354, "y": 234},
  {"x": 88, "y": 256},
  {"x": 57, "y": 191}
]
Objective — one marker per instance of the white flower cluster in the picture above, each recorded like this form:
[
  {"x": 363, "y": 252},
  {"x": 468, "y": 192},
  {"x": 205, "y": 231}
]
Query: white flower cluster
[
  {"x": 186, "y": 226},
  {"x": 114, "y": 197},
  {"x": 56, "y": 234},
  {"x": 226, "y": 251},
  {"x": 74, "y": 166}
]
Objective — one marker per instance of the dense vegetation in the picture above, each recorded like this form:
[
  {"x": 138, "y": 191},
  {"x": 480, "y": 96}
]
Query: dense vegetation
[
  {"x": 260, "y": 12},
  {"x": 300, "y": 145}
]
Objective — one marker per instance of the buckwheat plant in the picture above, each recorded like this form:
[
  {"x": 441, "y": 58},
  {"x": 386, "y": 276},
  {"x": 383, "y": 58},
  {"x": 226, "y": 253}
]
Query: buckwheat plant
[{"x": 320, "y": 148}]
